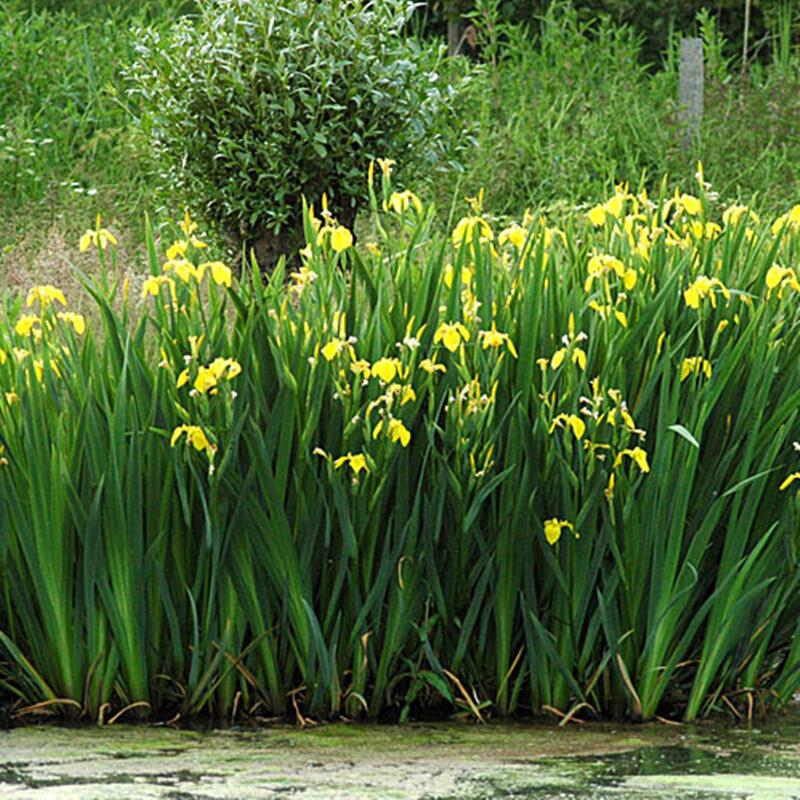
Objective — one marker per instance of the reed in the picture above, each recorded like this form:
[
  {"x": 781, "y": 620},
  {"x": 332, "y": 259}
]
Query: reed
[{"x": 543, "y": 466}]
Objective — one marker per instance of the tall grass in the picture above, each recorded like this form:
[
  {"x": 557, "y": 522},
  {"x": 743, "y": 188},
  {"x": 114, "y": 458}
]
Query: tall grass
[
  {"x": 511, "y": 472},
  {"x": 66, "y": 143},
  {"x": 567, "y": 112}
]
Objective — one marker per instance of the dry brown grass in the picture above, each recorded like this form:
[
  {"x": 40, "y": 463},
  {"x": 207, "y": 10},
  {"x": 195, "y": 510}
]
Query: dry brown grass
[{"x": 51, "y": 256}]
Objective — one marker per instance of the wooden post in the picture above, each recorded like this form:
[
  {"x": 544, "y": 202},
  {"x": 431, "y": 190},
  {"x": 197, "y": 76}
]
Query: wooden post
[
  {"x": 747, "y": 4},
  {"x": 690, "y": 91},
  {"x": 455, "y": 35},
  {"x": 456, "y": 25}
]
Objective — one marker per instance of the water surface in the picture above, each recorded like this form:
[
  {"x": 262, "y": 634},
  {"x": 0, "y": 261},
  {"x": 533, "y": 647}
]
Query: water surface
[{"x": 430, "y": 762}]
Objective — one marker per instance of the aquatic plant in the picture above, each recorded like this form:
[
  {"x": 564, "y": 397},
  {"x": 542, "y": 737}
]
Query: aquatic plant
[{"x": 548, "y": 465}]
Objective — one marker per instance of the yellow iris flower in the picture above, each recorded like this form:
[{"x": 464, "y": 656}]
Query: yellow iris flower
[
  {"x": 430, "y": 366},
  {"x": 553, "y": 529},
  {"x": 76, "y": 320},
  {"x": 451, "y": 334},
  {"x": 26, "y": 323},
  {"x": 100, "y": 237},
  {"x": 396, "y": 430},
  {"x": 493, "y": 338},
  {"x": 702, "y": 287},
  {"x": 386, "y": 369},
  {"x": 341, "y": 239},
  {"x": 45, "y": 295},
  {"x": 572, "y": 421},
  {"x": 195, "y": 437},
  {"x": 357, "y": 462},
  {"x": 637, "y": 455}
]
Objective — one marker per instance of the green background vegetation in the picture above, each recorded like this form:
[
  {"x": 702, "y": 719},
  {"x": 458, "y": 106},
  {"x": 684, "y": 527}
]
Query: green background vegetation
[{"x": 553, "y": 113}]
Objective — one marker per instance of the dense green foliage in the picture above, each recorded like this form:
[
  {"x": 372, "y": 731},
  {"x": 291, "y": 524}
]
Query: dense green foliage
[
  {"x": 653, "y": 20},
  {"x": 557, "y": 118},
  {"x": 357, "y": 493},
  {"x": 563, "y": 118},
  {"x": 258, "y": 104}
]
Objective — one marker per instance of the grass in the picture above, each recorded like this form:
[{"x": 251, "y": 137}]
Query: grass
[
  {"x": 67, "y": 148},
  {"x": 566, "y": 117}
]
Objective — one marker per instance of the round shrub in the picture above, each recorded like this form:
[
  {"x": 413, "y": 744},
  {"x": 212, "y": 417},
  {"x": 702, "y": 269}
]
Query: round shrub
[{"x": 255, "y": 103}]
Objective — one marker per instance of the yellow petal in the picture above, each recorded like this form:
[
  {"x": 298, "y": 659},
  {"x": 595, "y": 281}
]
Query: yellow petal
[
  {"x": 578, "y": 426},
  {"x": 451, "y": 339},
  {"x": 198, "y": 438},
  {"x": 385, "y": 369},
  {"x": 205, "y": 380},
  {"x": 177, "y": 249},
  {"x": 774, "y": 276},
  {"x": 331, "y": 349},
  {"x": 640, "y": 457},
  {"x": 597, "y": 216},
  {"x": 26, "y": 323},
  {"x": 341, "y": 239},
  {"x": 221, "y": 274},
  {"x": 552, "y": 530},
  {"x": 358, "y": 462}
]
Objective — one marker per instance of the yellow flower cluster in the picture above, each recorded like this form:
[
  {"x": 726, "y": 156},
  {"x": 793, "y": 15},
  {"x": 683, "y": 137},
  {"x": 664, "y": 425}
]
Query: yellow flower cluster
[
  {"x": 183, "y": 262},
  {"x": 34, "y": 324},
  {"x": 703, "y": 287},
  {"x": 208, "y": 377}
]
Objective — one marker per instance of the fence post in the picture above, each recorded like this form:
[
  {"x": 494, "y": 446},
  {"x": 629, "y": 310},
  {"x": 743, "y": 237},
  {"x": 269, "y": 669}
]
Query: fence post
[
  {"x": 456, "y": 25},
  {"x": 690, "y": 88}
]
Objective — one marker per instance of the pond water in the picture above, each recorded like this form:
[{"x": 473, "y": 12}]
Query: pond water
[{"x": 702, "y": 762}]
